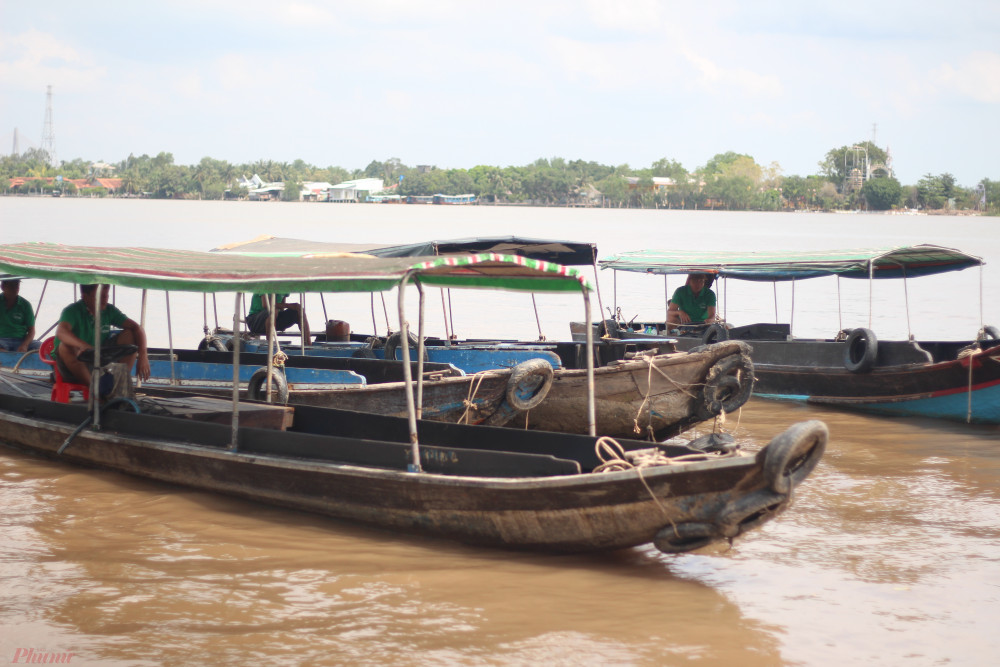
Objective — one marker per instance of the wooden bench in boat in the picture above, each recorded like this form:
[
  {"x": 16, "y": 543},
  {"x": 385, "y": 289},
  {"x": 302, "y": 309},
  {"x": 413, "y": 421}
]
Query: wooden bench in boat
[{"x": 220, "y": 411}]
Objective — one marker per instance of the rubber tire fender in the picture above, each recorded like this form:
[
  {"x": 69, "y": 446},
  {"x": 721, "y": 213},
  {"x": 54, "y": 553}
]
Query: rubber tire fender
[
  {"x": 860, "y": 350},
  {"x": 715, "y": 333},
  {"x": 793, "y": 454},
  {"x": 257, "y": 387},
  {"x": 724, "y": 392},
  {"x": 214, "y": 344},
  {"x": 990, "y": 332},
  {"x": 529, "y": 384},
  {"x": 392, "y": 343}
]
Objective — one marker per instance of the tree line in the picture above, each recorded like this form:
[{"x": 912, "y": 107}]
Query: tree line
[{"x": 849, "y": 178}]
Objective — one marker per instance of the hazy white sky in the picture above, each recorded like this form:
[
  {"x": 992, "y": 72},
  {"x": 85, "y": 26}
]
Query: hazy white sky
[{"x": 459, "y": 83}]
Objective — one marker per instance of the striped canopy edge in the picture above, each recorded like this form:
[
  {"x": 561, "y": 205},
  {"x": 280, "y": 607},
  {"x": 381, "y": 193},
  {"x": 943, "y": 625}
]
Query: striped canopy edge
[
  {"x": 193, "y": 271},
  {"x": 889, "y": 262}
]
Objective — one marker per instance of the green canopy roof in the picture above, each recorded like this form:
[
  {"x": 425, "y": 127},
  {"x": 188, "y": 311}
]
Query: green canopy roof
[
  {"x": 899, "y": 262},
  {"x": 192, "y": 271}
]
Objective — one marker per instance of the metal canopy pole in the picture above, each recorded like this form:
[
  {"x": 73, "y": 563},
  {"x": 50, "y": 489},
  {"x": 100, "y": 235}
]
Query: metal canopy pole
[
  {"x": 591, "y": 412},
  {"x": 906, "y": 300},
  {"x": 142, "y": 323},
  {"x": 95, "y": 374},
  {"x": 871, "y": 280},
  {"x": 272, "y": 336},
  {"x": 234, "y": 441},
  {"x": 170, "y": 342},
  {"x": 411, "y": 410},
  {"x": 447, "y": 328},
  {"x": 538, "y": 322},
  {"x": 420, "y": 351},
  {"x": 302, "y": 323},
  {"x": 791, "y": 317}
]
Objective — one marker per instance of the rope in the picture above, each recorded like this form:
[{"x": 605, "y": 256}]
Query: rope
[
  {"x": 469, "y": 401},
  {"x": 649, "y": 387}
]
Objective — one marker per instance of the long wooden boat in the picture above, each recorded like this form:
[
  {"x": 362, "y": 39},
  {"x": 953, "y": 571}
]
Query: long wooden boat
[
  {"x": 481, "y": 485},
  {"x": 957, "y": 380}
]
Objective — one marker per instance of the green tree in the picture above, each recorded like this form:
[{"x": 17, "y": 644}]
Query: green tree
[
  {"x": 882, "y": 194},
  {"x": 839, "y": 163},
  {"x": 292, "y": 191}
]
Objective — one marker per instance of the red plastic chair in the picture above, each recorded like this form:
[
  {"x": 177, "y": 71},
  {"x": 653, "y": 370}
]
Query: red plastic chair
[{"x": 61, "y": 389}]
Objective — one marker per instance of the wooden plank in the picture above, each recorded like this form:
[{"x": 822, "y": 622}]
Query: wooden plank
[{"x": 220, "y": 411}]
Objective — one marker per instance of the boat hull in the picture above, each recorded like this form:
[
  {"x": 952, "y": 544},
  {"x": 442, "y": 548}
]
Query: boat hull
[{"x": 679, "y": 507}]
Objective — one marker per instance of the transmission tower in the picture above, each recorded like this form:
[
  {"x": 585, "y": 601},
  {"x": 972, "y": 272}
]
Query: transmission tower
[
  {"x": 16, "y": 150},
  {"x": 48, "y": 133}
]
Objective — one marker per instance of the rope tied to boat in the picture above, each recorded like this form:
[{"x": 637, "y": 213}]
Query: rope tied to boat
[
  {"x": 469, "y": 402},
  {"x": 684, "y": 388}
]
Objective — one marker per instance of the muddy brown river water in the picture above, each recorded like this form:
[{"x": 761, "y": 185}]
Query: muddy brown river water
[{"x": 889, "y": 555}]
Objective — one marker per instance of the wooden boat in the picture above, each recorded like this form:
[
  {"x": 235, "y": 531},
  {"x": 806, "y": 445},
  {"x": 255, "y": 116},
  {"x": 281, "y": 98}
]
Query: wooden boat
[
  {"x": 480, "y": 485},
  {"x": 958, "y": 380},
  {"x": 470, "y": 355}
]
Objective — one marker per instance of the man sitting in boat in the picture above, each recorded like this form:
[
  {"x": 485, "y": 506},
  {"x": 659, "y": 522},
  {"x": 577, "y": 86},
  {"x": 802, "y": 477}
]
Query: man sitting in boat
[
  {"x": 287, "y": 315},
  {"x": 17, "y": 319},
  {"x": 75, "y": 334},
  {"x": 692, "y": 303}
]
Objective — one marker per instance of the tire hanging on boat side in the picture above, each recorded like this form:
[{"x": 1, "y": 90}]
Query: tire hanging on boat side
[
  {"x": 257, "y": 387},
  {"x": 727, "y": 387},
  {"x": 860, "y": 350}
]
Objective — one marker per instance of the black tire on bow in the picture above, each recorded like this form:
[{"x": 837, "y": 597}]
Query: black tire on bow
[
  {"x": 214, "y": 344},
  {"x": 529, "y": 384},
  {"x": 257, "y": 387},
  {"x": 727, "y": 387},
  {"x": 715, "y": 333},
  {"x": 990, "y": 332},
  {"x": 793, "y": 454},
  {"x": 392, "y": 343},
  {"x": 860, "y": 350}
]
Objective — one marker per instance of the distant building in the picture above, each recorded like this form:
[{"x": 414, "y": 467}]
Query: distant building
[
  {"x": 353, "y": 191},
  {"x": 659, "y": 182}
]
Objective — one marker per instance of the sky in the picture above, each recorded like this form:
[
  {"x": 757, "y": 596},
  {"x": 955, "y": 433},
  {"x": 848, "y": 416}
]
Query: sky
[{"x": 457, "y": 84}]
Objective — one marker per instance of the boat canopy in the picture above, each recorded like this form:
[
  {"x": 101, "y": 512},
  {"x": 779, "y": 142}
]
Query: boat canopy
[
  {"x": 569, "y": 253},
  {"x": 898, "y": 262},
  {"x": 194, "y": 271}
]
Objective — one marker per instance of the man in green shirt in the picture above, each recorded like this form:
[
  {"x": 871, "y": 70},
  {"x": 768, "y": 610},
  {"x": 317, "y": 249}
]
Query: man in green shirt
[
  {"x": 692, "y": 303},
  {"x": 17, "y": 319},
  {"x": 287, "y": 314},
  {"x": 75, "y": 334}
]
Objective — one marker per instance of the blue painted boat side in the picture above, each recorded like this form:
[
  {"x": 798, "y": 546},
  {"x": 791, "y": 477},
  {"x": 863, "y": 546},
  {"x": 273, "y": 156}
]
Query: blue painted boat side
[
  {"x": 469, "y": 358},
  {"x": 954, "y": 406},
  {"x": 194, "y": 371}
]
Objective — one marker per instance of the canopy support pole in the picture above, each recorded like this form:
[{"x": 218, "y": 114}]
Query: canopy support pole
[
  {"x": 591, "y": 412},
  {"x": 666, "y": 303},
  {"x": 272, "y": 336},
  {"x": 421, "y": 350},
  {"x": 597, "y": 288},
  {"x": 170, "y": 341},
  {"x": 451, "y": 315},
  {"x": 538, "y": 321},
  {"x": 774, "y": 284},
  {"x": 982, "y": 319},
  {"x": 142, "y": 323},
  {"x": 234, "y": 438},
  {"x": 215, "y": 311},
  {"x": 204, "y": 316},
  {"x": 322, "y": 302},
  {"x": 411, "y": 410},
  {"x": 444, "y": 313},
  {"x": 906, "y": 300},
  {"x": 871, "y": 280},
  {"x": 42, "y": 297},
  {"x": 791, "y": 317},
  {"x": 303, "y": 329},
  {"x": 95, "y": 374}
]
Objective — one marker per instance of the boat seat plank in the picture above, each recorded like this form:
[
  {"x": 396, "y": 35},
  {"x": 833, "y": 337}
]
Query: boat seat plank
[{"x": 220, "y": 411}]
